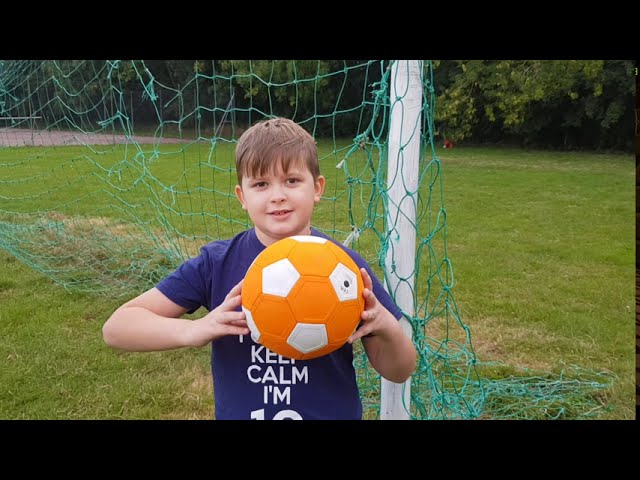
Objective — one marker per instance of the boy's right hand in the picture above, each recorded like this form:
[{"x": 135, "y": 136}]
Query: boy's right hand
[{"x": 221, "y": 321}]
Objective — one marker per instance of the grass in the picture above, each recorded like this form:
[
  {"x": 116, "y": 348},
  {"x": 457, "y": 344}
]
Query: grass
[
  {"x": 540, "y": 242},
  {"x": 56, "y": 366},
  {"x": 543, "y": 252}
]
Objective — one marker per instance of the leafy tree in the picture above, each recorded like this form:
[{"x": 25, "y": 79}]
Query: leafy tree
[{"x": 549, "y": 103}]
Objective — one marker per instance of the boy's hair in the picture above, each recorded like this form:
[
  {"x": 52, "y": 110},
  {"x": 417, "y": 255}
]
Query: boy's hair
[{"x": 275, "y": 142}]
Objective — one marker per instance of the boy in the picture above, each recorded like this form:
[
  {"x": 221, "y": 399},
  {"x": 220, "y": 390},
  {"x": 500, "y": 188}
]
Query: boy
[{"x": 279, "y": 183}]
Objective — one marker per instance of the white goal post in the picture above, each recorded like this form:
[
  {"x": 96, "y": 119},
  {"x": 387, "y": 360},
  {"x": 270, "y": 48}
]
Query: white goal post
[{"x": 402, "y": 188}]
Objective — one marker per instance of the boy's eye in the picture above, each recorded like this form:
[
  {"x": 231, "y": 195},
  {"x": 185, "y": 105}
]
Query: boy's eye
[
  {"x": 259, "y": 184},
  {"x": 292, "y": 180}
]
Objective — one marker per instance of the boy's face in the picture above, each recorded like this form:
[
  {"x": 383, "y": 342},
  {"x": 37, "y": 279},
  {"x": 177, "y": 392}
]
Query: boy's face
[{"x": 280, "y": 204}]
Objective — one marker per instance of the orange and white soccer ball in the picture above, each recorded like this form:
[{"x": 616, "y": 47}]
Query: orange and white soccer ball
[{"x": 302, "y": 297}]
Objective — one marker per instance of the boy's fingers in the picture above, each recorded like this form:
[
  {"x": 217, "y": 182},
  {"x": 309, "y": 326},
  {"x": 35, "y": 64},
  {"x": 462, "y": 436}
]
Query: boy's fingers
[
  {"x": 368, "y": 283},
  {"x": 232, "y": 316},
  {"x": 231, "y": 330},
  {"x": 238, "y": 323},
  {"x": 232, "y": 302},
  {"x": 367, "y": 315},
  {"x": 359, "y": 333},
  {"x": 236, "y": 289},
  {"x": 369, "y": 299}
]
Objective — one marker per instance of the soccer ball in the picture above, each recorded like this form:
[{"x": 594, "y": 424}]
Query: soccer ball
[{"x": 302, "y": 297}]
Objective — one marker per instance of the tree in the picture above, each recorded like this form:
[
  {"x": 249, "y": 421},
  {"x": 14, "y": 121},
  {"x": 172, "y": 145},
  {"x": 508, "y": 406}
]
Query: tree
[{"x": 550, "y": 103}]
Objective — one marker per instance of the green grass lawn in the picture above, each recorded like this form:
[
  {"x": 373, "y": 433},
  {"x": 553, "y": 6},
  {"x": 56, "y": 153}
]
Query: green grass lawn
[
  {"x": 543, "y": 252},
  {"x": 56, "y": 366},
  {"x": 541, "y": 245}
]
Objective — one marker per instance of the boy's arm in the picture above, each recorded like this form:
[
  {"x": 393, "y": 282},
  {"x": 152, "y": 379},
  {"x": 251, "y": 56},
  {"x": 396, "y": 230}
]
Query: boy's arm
[
  {"x": 390, "y": 351},
  {"x": 150, "y": 322}
]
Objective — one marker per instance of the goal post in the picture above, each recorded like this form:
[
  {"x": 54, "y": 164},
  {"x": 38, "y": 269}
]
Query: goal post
[{"x": 402, "y": 189}]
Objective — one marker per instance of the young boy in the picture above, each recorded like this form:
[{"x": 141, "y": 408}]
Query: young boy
[{"x": 279, "y": 183}]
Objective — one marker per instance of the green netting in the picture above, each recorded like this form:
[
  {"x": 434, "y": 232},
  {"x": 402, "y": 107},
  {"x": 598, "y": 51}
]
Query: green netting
[{"x": 114, "y": 172}]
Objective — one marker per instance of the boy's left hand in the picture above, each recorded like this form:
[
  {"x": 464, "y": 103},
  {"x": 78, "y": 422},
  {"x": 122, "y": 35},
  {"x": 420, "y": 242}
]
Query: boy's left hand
[{"x": 375, "y": 316}]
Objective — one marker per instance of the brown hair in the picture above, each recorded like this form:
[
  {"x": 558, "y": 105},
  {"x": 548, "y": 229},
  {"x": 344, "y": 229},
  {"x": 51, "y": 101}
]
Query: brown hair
[{"x": 273, "y": 142}]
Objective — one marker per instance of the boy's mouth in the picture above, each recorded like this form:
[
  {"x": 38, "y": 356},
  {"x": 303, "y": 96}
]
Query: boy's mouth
[{"x": 278, "y": 213}]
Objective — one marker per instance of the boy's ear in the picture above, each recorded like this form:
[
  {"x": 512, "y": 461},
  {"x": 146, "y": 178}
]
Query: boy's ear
[
  {"x": 319, "y": 188},
  {"x": 240, "y": 196}
]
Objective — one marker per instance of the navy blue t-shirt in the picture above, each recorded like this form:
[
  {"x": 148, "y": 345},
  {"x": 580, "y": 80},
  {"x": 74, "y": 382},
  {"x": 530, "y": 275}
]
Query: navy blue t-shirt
[{"x": 250, "y": 381}]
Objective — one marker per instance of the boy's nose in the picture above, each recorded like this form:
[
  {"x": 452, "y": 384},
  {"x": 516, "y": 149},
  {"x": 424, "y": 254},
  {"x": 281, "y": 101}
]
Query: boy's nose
[{"x": 277, "y": 195}]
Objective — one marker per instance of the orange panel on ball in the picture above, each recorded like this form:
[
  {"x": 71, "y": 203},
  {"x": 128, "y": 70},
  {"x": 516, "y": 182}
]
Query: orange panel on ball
[
  {"x": 251, "y": 287},
  {"x": 273, "y": 316},
  {"x": 344, "y": 319},
  {"x": 275, "y": 252},
  {"x": 312, "y": 300},
  {"x": 311, "y": 259}
]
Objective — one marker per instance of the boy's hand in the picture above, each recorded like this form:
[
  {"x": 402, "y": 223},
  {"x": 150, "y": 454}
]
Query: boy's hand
[
  {"x": 221, "y": 321},
  {"x": 375, "y": 317},
  {"x": 390, "y": 351}
]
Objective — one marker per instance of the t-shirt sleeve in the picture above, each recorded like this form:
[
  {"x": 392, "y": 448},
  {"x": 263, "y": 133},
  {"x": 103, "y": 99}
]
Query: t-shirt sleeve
[{"x": 190, "y": 284}]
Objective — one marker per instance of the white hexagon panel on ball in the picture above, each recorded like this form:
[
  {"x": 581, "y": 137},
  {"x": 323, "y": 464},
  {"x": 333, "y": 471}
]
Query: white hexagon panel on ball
[
  {"x": 279, "y": 278},
  {"x": 344, "y": 283},
  {"x": 253, "y": 328},
  {"x": 307, "y": 337},
  {"x": 309, "y": 239}
]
